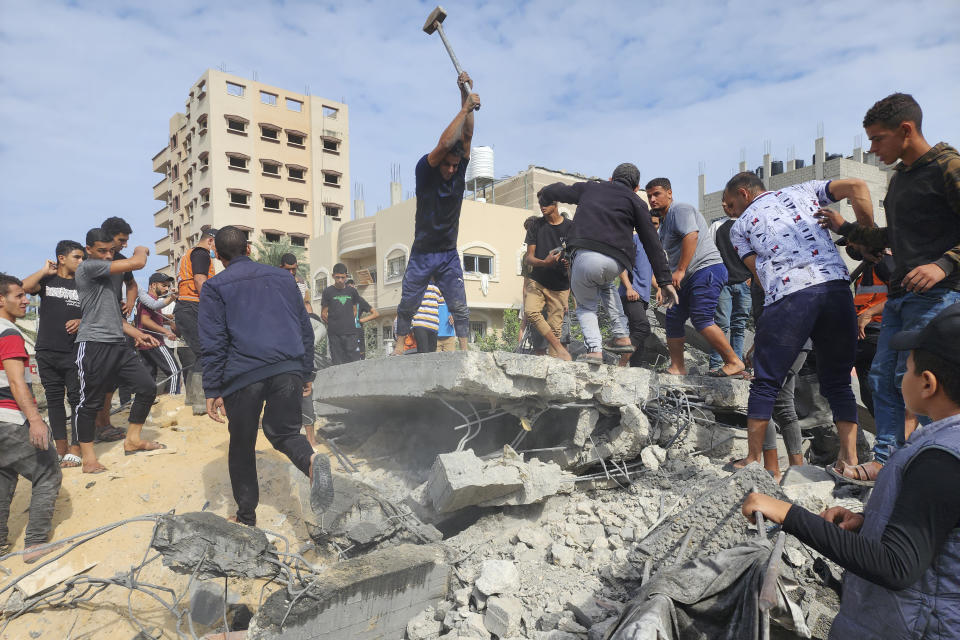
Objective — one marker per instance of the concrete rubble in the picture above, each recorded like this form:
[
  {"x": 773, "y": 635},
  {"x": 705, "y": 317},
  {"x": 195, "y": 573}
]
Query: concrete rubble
[{"x": 502, "y": 496}]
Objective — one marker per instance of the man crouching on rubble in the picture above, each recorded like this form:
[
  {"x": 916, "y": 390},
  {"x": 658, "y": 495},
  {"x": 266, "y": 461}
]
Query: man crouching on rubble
[
  {"x": 902, "y": 554},
  {"x": 257, "y": 354}
]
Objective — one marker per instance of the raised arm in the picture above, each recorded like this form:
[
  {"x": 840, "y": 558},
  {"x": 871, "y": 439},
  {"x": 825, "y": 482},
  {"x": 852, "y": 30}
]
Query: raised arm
[
  {"x": 460, "y": 128},
  {"x": 561, "y": 192},
  {"x": 135, "y": 262},
  {"x": 855, "y": 190},
  {"x": 31, "y": 284}
]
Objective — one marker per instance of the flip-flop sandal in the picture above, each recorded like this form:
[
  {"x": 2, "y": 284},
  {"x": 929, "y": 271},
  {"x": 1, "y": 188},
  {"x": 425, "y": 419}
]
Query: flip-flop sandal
[
  {"x": 159, "y": 446},
  {"x": 321, "y": 484},
  {"x": 70, "y": 460},
  {"x": 718, "y": 373},
  {"x": 842, "y": 478},
  {"x": 613, "y": 347},
  {"x": 110, "y": 434},
  {"x": 586, "y": 358}
]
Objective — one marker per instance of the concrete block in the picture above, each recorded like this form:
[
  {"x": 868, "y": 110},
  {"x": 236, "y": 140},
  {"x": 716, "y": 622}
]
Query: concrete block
[
  {"x": 461, "y": 479},
  {"x": 804, "y": 474},
  {"x": 812, "y": 496},
  {"x": 364, "y": 598},
  {"x": 497, "y": 577},
  {"x": 225, "y": 548},
  {"x": 586, "y": 422},
  {"x": 503, "y": 615},
  {"x": 562, "y": 555}
]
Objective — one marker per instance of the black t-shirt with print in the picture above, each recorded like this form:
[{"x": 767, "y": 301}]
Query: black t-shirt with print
[
  {"x": 341, "y": 319},
  {"x": 548, "y": 237},
  {"x": 59, "y": 303}
]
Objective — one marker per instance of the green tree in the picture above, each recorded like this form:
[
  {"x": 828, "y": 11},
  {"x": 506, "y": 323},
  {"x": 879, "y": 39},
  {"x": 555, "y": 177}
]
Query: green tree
[
  {"x": 271, "y": 252},
  {"x": 504, "y": 340}
]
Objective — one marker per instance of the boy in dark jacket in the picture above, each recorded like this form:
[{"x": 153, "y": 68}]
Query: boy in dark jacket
[{"x": 256, "y": 345}]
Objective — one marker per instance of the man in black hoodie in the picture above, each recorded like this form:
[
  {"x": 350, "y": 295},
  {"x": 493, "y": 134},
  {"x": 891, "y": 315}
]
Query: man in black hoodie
[{"x": 602, "y": 244}]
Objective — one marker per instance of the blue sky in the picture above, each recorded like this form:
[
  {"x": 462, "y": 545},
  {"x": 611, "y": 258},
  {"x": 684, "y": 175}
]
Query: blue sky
[{"x": 86, "y": 88}]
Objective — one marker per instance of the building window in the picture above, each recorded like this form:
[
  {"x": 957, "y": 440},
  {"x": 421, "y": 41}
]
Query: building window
[
  {"x": 271, "y": 168},
  {"x": 478, "y": 329},
  {"x": 298, "y": 241},
  {"x": 269, "y": 133},
  {"x": 238, "y": 198},
  {"x": 236, "y": 126},
  {"x": 175, "y": 171},
  {"x": 238, "y": 162},
  {"x": 295, "y": 139},
  {"x": 395, "y": 267},
  {"x": 319, "y": 284},
  {"x": 271, "y": 203},
  {"x": 271, "y": 237},
  {"x": 295, "y": 173},
  {"x": 235, "y": 89},
  {"x": 331, "y": 210},
  {"x": 268, "y": 98},
  {"x": 294, "y": 105},
  {"x": 331, "y": 179},
  {"x": 333, "y": 146},
  {"x": 477, "y": 264},
  {"x": 330, "y": 112},
  {"x": 201, "y": 89},
  {"x": 297, "y": 207},
  {"x": 202, "y": 124},
  {"x": 176, "y": 203},
  {"x": 204, "y": 197},
  {"x": 204, "y": 161}
]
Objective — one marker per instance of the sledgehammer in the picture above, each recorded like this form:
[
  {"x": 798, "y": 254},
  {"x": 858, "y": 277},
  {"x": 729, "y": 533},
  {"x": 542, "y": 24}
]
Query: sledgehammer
[{"x": 435, "y": 23}]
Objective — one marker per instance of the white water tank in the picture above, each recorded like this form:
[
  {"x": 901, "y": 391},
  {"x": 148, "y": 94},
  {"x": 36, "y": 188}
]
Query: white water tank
[{"x": 481, "y": 165}]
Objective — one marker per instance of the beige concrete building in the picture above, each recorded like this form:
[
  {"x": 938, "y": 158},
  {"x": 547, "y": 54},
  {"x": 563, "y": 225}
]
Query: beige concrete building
[
  {"x": 375, "y": 249},
  {"x": 824, "y": 167},
  {"x": 273, "y": 162}
]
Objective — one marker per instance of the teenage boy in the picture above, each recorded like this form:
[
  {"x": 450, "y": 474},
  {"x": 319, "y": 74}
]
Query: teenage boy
[
  {"x": 102, "y": 354},
  {"x": 26, "y": 447},
  {"x": 634, "y": 293},
  {"x": 734, "y": 302},
  {"x": 902, "y": 554},
  {"x": 339, "y": 308},
  {"x": 440, "y": 177},
  {"x": 807, "y": 296},
  {"x": 548, "y": 285},
  {"x": 152, "y": 321},
  {"x": 426, "y": 322},
  {"x": 258, "y": 363},
  {"x": 59, "y": 321},
  {"x": 288, "y": 262},
  {"x": 923, "y": 229},
  {"x": 698, "y": 275}
]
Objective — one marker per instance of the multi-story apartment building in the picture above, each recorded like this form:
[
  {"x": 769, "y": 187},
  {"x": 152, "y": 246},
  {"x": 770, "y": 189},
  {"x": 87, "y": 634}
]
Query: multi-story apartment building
[
  {"x": 273, "y": 162},
  {"x": 824, "y": 167},
  {"x": 375, "y": 249}
]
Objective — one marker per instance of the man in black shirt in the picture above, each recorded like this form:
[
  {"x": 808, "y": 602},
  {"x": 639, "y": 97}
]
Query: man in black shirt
[
  {"x": 734, "y": 303},
  {"x": 59, "y": 321},
  {"x": 548, "y": 285},
  {"x": 338, "y": 308},
  {"x": 194, "y": 269}
]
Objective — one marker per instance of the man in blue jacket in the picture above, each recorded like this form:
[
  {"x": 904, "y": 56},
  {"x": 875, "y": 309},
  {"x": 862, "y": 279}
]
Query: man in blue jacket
[{"x": 257, "y": 355}]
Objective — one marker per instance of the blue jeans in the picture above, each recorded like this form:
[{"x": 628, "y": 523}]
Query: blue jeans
[
  {"x": 905, "y": 313},
  {"x": 698, "y": 300},
  {"x": 592, "y": 282},
  {"x": 733, "y": 311},
  {"x": 445, "y": 269},
  {"x": 823, "y": 313}
]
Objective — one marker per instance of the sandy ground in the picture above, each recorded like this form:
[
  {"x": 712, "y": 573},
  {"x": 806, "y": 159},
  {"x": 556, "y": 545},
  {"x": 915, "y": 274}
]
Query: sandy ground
[{"x": 191, "y": 475}]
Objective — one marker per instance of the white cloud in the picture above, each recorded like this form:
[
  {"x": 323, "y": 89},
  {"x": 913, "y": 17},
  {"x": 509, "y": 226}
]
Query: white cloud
[{"x": 86, "y": 90}]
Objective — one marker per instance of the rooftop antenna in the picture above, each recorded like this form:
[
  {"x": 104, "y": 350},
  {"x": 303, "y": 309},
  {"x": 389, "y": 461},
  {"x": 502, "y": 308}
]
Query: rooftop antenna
[
  {"x": 792, "y": 152},
  {"x": 858, "y": 141},
  {"x": 223, "y": 67},
  {"x": 701, "y": 167},
  {"x": 255, "y": 77},
  {"x": 306, "y": 90},
  {"x": 743, "y": 154},
  {"x": 820, "y": 129},
  {"x": 767, "y": 147}
]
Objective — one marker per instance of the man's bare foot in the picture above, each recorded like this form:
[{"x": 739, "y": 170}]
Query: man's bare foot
[
  {"x": 676, "y": 371},
  {"x": 143, "y": 445},
  {"x": 93, "y": 467},
  {"x": 733, "y": 368},
  {"x": 564, "y": 355},
  {"x": 742, "y": 462},
  {"x": 866, "y": 472}
]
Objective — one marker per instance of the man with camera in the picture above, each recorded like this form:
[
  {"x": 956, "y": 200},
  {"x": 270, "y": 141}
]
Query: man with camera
[{"x": 548, "y": 286}]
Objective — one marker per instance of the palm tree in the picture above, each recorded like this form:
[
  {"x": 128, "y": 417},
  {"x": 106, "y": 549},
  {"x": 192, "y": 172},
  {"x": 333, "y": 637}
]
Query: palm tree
[{"x": 271, "y": 252}]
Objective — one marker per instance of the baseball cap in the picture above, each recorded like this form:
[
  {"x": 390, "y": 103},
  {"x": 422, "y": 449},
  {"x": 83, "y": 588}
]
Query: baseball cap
[
  {"x": 208, "y": 232},
  {"x": 160, "y": 277},
  {"x": 940, "y": 337}
]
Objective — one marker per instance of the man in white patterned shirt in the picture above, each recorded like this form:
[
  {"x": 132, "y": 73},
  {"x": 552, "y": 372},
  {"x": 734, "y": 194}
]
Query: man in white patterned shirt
[{"x": 807, "y": 295}]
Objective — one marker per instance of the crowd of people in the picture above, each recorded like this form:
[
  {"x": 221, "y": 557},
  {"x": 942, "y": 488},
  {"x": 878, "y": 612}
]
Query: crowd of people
[{"x": 773, "y": 260}]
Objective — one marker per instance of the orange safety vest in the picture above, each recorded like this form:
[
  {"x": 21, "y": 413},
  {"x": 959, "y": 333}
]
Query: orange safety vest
[
  {"x": 186, "y": 287},
  {"x": 869, "y": 291}
]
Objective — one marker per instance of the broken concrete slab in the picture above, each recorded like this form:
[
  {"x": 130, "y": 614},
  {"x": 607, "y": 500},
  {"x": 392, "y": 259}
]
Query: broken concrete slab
[
  {"x": 497, "y": 577},
  {"x": 804, "y": 474},
  {"x": 224, "y": 548},
  {"x": 710, "y": 522},
  {"x": 461, "y": 479},
  {"x": 503, "y": 615},
  {"x": 364, "y": 598}
]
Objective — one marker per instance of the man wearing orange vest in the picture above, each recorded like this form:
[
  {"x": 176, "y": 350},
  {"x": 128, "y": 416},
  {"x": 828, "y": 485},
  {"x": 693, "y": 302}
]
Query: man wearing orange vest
[
  {"x": 195, "y": 268},
  {"x": 869, "y": 298}
]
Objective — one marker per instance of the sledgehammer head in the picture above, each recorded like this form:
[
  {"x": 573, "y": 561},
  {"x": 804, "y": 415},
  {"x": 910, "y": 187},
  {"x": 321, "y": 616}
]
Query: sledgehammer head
[{"x": 436, "y": 16}]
